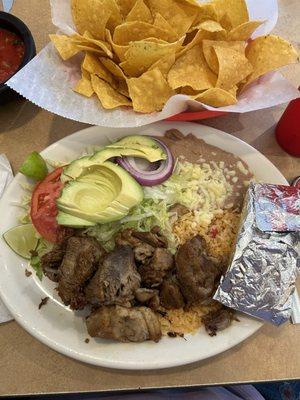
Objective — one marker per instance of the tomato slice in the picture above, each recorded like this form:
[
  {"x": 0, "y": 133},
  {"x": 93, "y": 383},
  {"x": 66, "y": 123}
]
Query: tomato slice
[{"x": 43, "y": 206}]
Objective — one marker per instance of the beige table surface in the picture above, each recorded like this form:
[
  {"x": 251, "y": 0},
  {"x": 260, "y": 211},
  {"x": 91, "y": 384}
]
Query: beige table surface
[{"x": 28, "y": 366}]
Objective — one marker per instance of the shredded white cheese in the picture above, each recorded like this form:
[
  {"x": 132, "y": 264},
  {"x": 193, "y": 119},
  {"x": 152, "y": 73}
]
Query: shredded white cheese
[{"x": 202, "y": 188}]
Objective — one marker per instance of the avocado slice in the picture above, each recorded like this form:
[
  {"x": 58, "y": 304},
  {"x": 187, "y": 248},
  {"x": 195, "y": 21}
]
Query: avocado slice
[
  {"x": 141, "y": 140},
  {"x": 105, "y": 194},
  {"x": 133, "y": 146},
  {"x": 71, "y": 221}
]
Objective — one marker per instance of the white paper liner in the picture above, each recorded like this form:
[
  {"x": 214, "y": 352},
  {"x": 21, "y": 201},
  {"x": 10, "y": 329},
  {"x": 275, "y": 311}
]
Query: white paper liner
[{"x": 47, "y": 81}]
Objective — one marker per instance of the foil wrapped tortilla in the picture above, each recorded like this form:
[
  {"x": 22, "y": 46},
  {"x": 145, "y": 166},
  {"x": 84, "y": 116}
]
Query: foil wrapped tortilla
[{"x": 264, "y": 266}]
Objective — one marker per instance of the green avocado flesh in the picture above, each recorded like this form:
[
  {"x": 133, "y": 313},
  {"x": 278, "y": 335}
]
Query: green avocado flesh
[
  {"x": 71, "y": 221},
  {"x": 102, "y": 193},
  {"x": 132, "y": 146}
]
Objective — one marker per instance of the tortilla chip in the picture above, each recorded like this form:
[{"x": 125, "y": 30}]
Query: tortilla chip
[
  {"x": 236, "y": 11},
  {"x": 142, "y": 54},
  {"x": 119, "y": 50},
  {"x": 115, "y": 18},
  {"x": 93, "y": 65},
  {"x": 210, "y": 54},
  {"x": 213, "y": 27},
  {"x": 173, "y": 13},
  {"x": 122, "y": 88},
  {"x": 84, "y": 85},
  {"x": 88, "y": 40},
  {"x": 206, "y": 11},
  {"x": 187, "y": 90},
  {"x": 67, "y": 47},
  {"x": 233, "y": 67},
  {"x": 90, "y": 15},
  {"x": 108, "y": 96},
  {"x": 157, "y": 40},
  {"x": 190, "y": 8},
  {"x": 164, "y": 24},
  {"x": 164, "y": 64},
  {"x": 226, "y": 22},
  {"x": 149, "y": 92},
  {"x": 192, "y": 70},
  {"x": 191, "y": 2},
  {"x": 216, "y": 97},
  {"x": 268, "y": 53},
  {"x": 82, "y": 47},
  {"x": 64, "y": 45},
  {"x": 112, "y": 67},
  {"x": 208, "y": 30},
  {"x": 244, "y": 31},
  {"x": 140, "y": 12},
  {"x": 132, "y": 31},
  {"x": 233, "y": 90},
  {"x": 125, "y": 6}
]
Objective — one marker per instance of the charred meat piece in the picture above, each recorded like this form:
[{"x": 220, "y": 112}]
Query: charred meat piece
[
  {"x": 179, "y": 210},
  {"x": 51, "y": 261},
  {"x": 153, "y": 273},
  {"x": 216, "y": 321},
  {"x": 197, "y": 275},
  {"x": 64, "y": 233},
  {"x": 124, "y": 324},
  {"x": 142, "y": 243},
  {"x": 79, "y": 263},
  {"x": 148, "y": 297},
  {"x": 126, "y": 238},
  {"x": 154, "y": 238},
  {"x": 170, "y": 294},
  {"x": 143, "y": 252},
  {"x": 116, "y": 280}
]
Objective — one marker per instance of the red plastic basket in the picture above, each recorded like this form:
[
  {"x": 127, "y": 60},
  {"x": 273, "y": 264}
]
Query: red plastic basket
[{"x": 193, "y": 116}]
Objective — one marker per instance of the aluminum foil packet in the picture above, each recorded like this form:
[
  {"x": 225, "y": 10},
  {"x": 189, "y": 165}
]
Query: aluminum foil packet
[{"x": 264, "y": 266}]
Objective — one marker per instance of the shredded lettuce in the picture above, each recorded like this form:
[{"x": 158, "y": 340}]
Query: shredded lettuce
[
  {"x": 42, "y": 248},
  {"x": 35, "y": 262}
]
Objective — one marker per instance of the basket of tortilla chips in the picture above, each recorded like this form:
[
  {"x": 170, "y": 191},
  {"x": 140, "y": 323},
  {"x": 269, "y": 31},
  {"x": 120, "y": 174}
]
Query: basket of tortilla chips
[{"x": 132, "y": 62}]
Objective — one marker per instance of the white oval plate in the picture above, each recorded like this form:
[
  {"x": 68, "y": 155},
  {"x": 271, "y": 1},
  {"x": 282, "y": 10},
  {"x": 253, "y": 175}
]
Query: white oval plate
[{"x": 63, "y": 330}]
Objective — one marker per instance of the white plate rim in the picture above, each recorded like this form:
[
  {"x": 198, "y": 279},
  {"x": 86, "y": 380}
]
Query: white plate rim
[{"x": 161, "y": 126}]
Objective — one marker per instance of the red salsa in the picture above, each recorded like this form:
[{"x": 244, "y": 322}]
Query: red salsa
[{"x": 12, "y": 51}]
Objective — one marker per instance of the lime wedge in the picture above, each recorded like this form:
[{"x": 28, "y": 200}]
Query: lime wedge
[
  {"x": 34, "y": 167},
  {"x": 21, "y": 239}
]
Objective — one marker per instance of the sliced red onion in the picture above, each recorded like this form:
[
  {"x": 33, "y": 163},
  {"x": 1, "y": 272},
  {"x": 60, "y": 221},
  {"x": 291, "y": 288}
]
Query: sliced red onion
[{"x": 146, "y": 173}]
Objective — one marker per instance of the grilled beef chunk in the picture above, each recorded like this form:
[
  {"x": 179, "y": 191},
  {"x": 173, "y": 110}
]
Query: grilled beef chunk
[
  {"x": 179, "y": 210},
  {"x": 197, "y": 275},
  {"x": 79, "y": 263},
  {"x": 64, "y": 233},
  {"x": 154, "y": 271},
  {"x": 143, "y": 252},
  {"x": 150, "y": 253},
  {"x": 116, "y": 279},
  {"x": 134, "y": 238},
  {"x": 143, "y": 295},
  {"x": 126, "y": 238},
  {"x": 154, "y": 238},
  {"x": 124, "y": 324},
  {"x": 216, "y": 321},
  {"x": 148, "y": 297},
  {"x": 51, "y": 261},
  {"x": 170, "y": 294}
]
